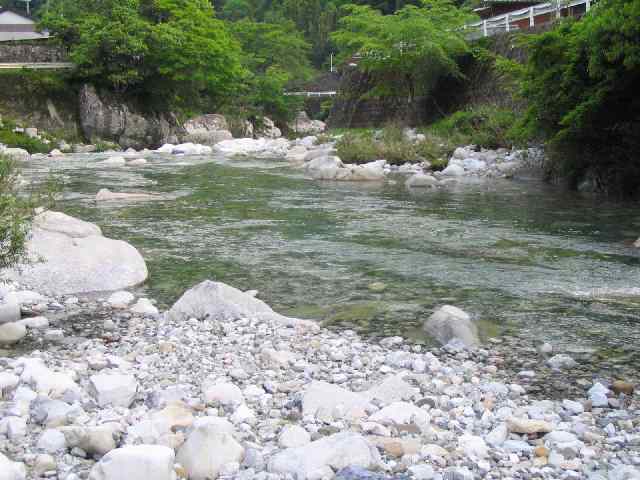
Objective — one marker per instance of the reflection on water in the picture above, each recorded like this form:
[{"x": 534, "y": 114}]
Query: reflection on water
[{"x": 520, "y": 256}]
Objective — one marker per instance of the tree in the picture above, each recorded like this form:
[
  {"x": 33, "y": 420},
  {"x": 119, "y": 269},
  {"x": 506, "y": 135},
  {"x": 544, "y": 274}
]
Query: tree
[
  {"x": 409, "y": 52},
  {"x": 174, "y": 52},
  {"x": 581, "y": 83},
  {"x": 15, "y": 216},
  {"x": 276, "y": 55}
]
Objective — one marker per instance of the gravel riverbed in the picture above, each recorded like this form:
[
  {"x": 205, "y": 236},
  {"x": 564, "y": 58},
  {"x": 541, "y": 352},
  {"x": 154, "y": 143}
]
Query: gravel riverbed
[{"x": 220, "y": 386}]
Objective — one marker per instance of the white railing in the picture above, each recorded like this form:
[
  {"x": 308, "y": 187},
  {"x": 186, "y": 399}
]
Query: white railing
[
  {"x": 311, "y": 94},
  {"x": 37, "y": 66},
  {"x": 505, "y": 23}
]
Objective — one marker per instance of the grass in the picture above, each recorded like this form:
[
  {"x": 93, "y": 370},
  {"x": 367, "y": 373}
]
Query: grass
[{"x": 20, "y": 140}]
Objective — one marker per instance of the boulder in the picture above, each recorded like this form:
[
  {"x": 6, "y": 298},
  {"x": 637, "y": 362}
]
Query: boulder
[
  {"x": 191, "y": 149},
  {"x": 266, "y": 128},
  {"x": 325, "y": 167},
  {"x": 292, "y": 436},
  {"x": 114, "y": 161},
  {"x": 98, "y": 440},
  {"x": 11, "y": 470},
  {"x": 526, "y": 426},
  {"x": 208, "y": 129},
  {"x": 218, "y": 301},
  {"x": 106, "y": 117},
  {"x": 296, "y": 155},
  {"x": 226, "y": 394},
  {"x": 71, "y": 256},
  {"x": 45, "y": 381},
  {"x": 106, "y": 195},
  {"x": 9, "y": 310},
  {"x": 210, "y": 446},
  {"x": 16, "y": 154},
  {"x": 35, "y": 323},
  {"x": 453, "y": 170},
  {"x": 321, "y": 458},
  {"x": 51, "y": 441},
  {"x": 561, "y": 362},
  {"x": 120, "y": 299},
  {"x": 260, "y": 148},
  {"x": 450, "y": 322},
  {"x": 328, "y": 402},
  {"x": 145, "y": 308},
  {"x": 113, "y": 389},
  {"x": 11, "y": 333},
  {"x": 420, "y": 180},
  {"x": 303, "y": 125},
  {"x": 401, "y": 413},
  {"x": 150, "y": 462}
]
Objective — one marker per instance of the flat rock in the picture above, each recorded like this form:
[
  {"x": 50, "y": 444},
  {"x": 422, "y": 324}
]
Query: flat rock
[
  {"x": 448, "y": 323},
  {"x": 113, "y": 389},
  {"x": 324, "y": 456},
  {"x": 524, "y": 425},
  {"x": 150, "y": 462},
  {"x": 210, "y": 446},
  {"x": 73, "y": 257},
  {"x": 325, "y": 401}
]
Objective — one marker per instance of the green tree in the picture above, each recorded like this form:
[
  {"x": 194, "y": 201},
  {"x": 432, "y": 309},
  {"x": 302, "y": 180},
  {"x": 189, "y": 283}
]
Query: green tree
[
  {"x": 406, "y": 53},
  {"x": 581, "y": 83},
  {"x": 173, "y": 51},
  {"x": 276, "y": 55}
]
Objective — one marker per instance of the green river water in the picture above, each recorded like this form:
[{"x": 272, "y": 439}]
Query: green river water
[{"x": 522, "y": 257}]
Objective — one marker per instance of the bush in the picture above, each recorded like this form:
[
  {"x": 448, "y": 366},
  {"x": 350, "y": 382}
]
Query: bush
[
  {"x": 15, "y": 216},
  {"x": 486, "y": 126},
  {"x": 20, "y": 140}
]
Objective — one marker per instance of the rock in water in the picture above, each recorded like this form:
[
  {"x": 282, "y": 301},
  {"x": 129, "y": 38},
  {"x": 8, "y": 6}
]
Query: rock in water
[
  {"x": 324, "y": 456},
  {"x": 142, "y": 462},
  {"x": 218, "y": 301},
  {"x": 71, "y": 256},
  {"x": 450, "y": 322},
  {"x": 208, "y": 448},
  {"x": 420, "y": 180},
  {"x": 11, "y": 470}
]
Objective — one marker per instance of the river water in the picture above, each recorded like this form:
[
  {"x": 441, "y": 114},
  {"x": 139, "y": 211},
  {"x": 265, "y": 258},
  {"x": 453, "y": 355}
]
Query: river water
[{"x": 526, "y": 259}]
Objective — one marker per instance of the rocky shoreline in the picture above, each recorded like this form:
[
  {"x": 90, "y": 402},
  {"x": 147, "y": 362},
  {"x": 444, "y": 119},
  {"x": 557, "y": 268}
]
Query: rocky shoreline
[{"x": 220, "y": 386}]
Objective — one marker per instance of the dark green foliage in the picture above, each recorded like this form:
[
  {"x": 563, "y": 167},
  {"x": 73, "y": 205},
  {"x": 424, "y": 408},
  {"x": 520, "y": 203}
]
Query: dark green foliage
[
  {"x": 485, "y": 126},
  {"x": 20, "y": 140},
  {"x": 406, "y": 53},
  {"x": 174, "y": 53},
  {"x": 582, "y": 84}
]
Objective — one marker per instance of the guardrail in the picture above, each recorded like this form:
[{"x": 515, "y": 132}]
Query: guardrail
[
  {"x": 525, "y": 18},
  {"x": 311, "y": 94},
  {"x": 37, "y": 66}
]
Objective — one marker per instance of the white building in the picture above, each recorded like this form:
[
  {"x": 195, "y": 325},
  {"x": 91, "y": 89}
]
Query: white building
[{"x": 14, "y": 26}]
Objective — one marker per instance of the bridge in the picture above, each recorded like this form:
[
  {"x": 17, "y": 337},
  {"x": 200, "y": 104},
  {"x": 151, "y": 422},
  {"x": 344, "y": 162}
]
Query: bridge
[
  {"x": 311, "y": 94},
  {"x": 529, "y": 17}
]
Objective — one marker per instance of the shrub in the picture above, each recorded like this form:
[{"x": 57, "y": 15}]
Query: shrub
[
  {"x": 15, "y": 216},
  {"x": 20, "y": 140}
]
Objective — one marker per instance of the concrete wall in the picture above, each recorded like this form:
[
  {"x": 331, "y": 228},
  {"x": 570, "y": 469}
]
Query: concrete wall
[{"x": 29, "y": 52}]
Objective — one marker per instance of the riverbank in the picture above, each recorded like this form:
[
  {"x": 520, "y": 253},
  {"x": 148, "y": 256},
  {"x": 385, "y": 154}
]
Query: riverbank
[{"x": 267, "y": 396}]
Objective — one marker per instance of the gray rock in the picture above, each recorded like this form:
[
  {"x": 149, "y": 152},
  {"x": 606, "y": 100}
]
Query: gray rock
[
  {"x": 219, "y": 302},
  {"x": 210, "y": 446},
  {"x": 324, "y": 456},
  {"x": 11, "y": 470},
  {"x": 73, "y": 257},
  {"x": 11, "y": 333},
  {"x": 208, "y": 129},
  {"x": 9, "y": 310},
  {"x": 326, "y": 401},
  {"x": 151, "y": 462},
  {"x": 450, "y": 322},
  {"x": 561, "y": 362},
  {"x": 113, "y": 389},
  {"x": 358, "y": 473},
  {"x": 51, "y": 441},
  {"x": 292, "y": 436},
  {"x": 420, "y": 180}
]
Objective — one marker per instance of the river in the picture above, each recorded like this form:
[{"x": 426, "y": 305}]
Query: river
[{"x": 527, "y": 260}]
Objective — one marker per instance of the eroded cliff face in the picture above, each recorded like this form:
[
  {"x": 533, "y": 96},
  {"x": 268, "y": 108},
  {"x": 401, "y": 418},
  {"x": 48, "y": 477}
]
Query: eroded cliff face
[{"x": 104, "y": 117}]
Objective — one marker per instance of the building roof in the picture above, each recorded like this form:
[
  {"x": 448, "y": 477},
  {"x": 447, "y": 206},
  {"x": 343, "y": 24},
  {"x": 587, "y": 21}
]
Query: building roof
[{"x": 14, "y": 26}]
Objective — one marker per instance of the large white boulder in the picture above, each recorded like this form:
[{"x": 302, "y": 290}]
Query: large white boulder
[
  {"x": 191, "y": 149},
  {"x": 292, "y": 436},
  {"x": 142, "y": 462},
  {"x": 207, "y": 129},
  {"x": 9, "y": 310},
  {"x": 326, "y": 401},
  {"x": 305, "y": 126},
  {"x": 329, "y": 167},
  {"x": 11, "y": 333},
  {"x": 421, "y": 180},
  {"x": 450, "y": 322},
  {"x": 45, "y": 381},
  {"x": 11, "y": 470},
  {"x": 321, "y": 458},
  {"x": 98, "y": 440},
  {"x": 401, "y": 413},
  {"x": 453, "y": 170},
  {"x": 218, "y": 301},
  {"x": 210, "y": 446},
  {"x": 17, "y": 154},
  {"x": 69, "y": 255},
  {"x": 261, "y": 148},
  {"x": 113, "y": 389},
  {"x": 226, "y": 394}
]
